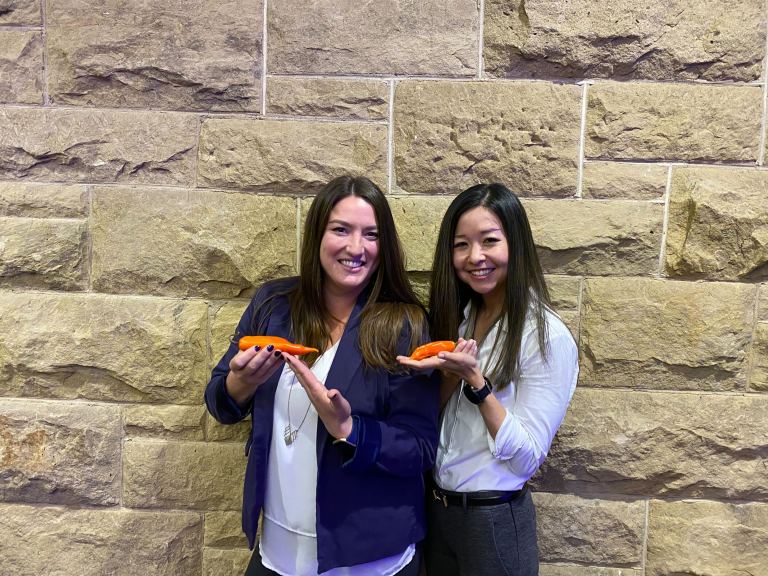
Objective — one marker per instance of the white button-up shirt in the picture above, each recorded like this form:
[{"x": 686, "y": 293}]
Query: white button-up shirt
[{"x": 469, "y": 459}]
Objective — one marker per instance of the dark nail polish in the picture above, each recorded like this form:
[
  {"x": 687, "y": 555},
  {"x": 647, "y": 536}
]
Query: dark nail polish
[
  {"x": 278, "y": 354},
  {"x": 257, "y": 348},
  {"x": 270, "y": 348}
]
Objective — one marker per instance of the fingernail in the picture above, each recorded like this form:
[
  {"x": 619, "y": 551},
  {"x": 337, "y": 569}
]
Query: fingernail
[
  {"x": 278, "y": 354},
  {"x": 270, "y": 348},
  {"x": 257, "y": 348}
]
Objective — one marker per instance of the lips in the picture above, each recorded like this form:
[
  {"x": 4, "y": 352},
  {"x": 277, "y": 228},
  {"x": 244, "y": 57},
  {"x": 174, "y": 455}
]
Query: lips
[
  {"x": 352, "y": 264},
  {"x": 481, "y": 273}
]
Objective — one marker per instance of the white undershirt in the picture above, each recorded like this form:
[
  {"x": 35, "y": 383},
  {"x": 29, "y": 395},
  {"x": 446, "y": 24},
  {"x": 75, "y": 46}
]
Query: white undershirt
[
  {"x": 469, "y": 459},
  {"x": 288, "y": 543}
]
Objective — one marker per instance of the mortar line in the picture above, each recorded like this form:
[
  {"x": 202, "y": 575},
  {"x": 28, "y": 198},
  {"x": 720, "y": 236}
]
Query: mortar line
[
  {"x": 480, "y": 31},
  {"x": 391, "y": 136},
  {"x": 44, "y": 38},
  {"x": 89, "y": 245},
  {"x": 761, "y": 150},
  {"x": 665, "y": 224},
  {"x": 298, "y": 235},
  {"x": 750, "y": 348},
  {"x": 582, "y": 283},
  {"x": 582, "y": 138},
  {"x": 644, "y": 554},
  {"x": 196, "y": 161},
  {"x": 264, "y": 59}
]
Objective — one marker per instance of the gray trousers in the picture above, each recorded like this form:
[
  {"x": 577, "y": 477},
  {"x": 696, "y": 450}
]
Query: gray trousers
[{"x": 495, "y": 540}]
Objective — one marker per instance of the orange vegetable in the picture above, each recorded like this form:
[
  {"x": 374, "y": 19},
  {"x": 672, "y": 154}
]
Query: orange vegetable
[
  {"x": 432, "y": 348},
  {"x": 279, "y": 343}
]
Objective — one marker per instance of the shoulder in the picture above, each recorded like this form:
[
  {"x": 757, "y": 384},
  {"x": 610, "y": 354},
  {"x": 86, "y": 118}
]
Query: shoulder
[
  {"x": 558, "y": 336},
  {"x": 275, "y": 287}
]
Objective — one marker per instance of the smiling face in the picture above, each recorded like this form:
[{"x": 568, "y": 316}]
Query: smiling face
[
  {"x": 481, "y": 253},
  {"x": 349, "y": 249}
]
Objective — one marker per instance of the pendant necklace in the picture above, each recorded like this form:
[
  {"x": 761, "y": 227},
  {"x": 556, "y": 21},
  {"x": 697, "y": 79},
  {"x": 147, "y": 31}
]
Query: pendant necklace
[{"x": 289, "y": 432}]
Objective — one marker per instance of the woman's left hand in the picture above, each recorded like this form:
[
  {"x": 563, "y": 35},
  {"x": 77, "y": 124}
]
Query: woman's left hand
[
  {"x": 462, "y": 362},
  {"x": 332, "y": 408}
]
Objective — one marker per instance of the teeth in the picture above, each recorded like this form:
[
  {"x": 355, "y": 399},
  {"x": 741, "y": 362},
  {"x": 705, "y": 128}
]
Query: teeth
[
  {"x": 480, "y": 273},
  {"x": 351, "y": 263}
]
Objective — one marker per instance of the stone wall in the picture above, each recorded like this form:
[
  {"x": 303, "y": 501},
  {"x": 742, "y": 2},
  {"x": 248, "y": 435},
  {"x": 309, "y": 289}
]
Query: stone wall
[{"x": 157, "y": 157}]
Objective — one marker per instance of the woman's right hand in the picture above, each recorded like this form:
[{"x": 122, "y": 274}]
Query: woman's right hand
[{"x": 249, "y": 369}]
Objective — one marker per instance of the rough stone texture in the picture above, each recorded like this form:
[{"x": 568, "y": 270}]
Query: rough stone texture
[
  {"x": 621, "y": 180},
  {"x": 711, "y": 538},
  {"x": 223, "y": 530},
  {"x": 67, "y": 542},
  {"x": 596, "y": 238},
  {"x": 718, "y": 224},
  {"x": 224, "y": 319},
  {"x": 678, "y": 40},
  {"x": 216, "y": 432},
  {"x": 21, "y": 66},
  {"x": 565, "y": 292},
  {"x": 574, "y": 570},
  {"x": 759, "y": 377},
  {"x": 225, "y": 562},
  {"x": 43, "y": 200},
  {"x": 665, "y": 444},
  {"x": 123, "y": 349},
  {"x": 387, "y": 37},
  {"x": 418, "y": 223},
  {"x": 182, "y": 475},
  {"x": 644, "y": 333},
  {"x": 330, "y": 97},
  {"x": 762, "y": 303},
  {"x": 20, "y": 12},
  {"x": 59, "y": 453},
  {"x": 97, "y": 145},
  {"x": 287, "y": 155},
  {"x": 452, "y": 135},
  {"x": 689, "y": 122},
  {"x": 175, "y": 54},
  {"x": 604, "y": 532},
  {"x": 190, "y": 242},
  {"x": 43, "y": 253},
  {"x": 167, "y": 422}
]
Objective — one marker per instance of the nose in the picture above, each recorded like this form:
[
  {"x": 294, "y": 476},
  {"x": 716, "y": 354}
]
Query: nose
[
  {"x": 476, "y": 253},
  {"x": 355, "y": 244}
]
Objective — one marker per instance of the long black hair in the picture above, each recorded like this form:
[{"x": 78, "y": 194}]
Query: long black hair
[{"x": 525, "y": 285}]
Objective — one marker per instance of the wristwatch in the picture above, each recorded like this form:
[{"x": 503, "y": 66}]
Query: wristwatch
[{"x": 477, "y": 396}]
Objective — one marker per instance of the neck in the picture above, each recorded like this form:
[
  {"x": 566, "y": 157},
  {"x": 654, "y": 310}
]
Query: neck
[
  {"x": 339, "y": 305},
  {"x": 493, "y": 304}
]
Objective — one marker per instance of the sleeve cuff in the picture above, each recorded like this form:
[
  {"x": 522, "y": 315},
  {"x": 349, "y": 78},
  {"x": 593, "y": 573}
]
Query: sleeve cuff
[
  {"x": 229, "y": 403},
  {"x": 361, "y": 448}
]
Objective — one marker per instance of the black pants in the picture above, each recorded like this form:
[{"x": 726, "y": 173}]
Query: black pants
[
  {"x": 495, "y": 540},
  {"x": 256, "y": 568}
]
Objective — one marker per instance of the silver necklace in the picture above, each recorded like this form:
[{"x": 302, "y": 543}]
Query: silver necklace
[{"x": 289, "y": 433}]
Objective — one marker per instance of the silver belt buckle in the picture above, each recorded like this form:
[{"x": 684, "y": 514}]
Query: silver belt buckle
[{"x": 440, "y": 497}]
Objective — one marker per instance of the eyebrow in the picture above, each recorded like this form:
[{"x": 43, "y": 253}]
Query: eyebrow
[
  {"x": 482, "y": 232},
  {"x": 348, "y": 225}
]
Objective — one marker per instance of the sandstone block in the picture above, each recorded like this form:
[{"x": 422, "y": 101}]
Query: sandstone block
[
  {"x": 123, "y": 349},
  {"x": 596, "y": 238},
  {"x": 387, "y": 37},
  {"x": 715, "y": 538},
  {"x": 59, "y": 453},
  {"x": 452, "y": 135},
  {"x": 224, "y": 319},
  {"x": 759, "y": 376},
  {"x": 718, "y": 224},
  {"x": 225, "y": 562},
  {"x": 43, "y": 253},
  {"x": 565, "y": 292},
  {"x": 621, "y": 180},
  {"x": 418, "y": 223},
  {"x": 329, "y": 97},
  {"x": 660, "y": 443},
  {"x": 679, "y": 40},
  {"x": 576, "y": 570},
  {"x": 43, "y": 200},
  {"x": 71, "y": 542},
  {"x": 216, "y": 432},
  {"x": 420, "y": 283},
  {"x": 175, "y": 54},
  {"x": 190, "y": 242},
  {"x": 97, "y": 145},
  {"x": 762, "y": 303},
  {"x": 20, "y": 12},
  {"x": 603, "y": 532},
  {"x": 644, "y": 333},
  {"x": 21, "y": 66},
  {"x": 167, "y": 422},
  {"x": 688, "y": 122},
  {"x": 287, "y": 155},
  {"x": 183, "y": 475},
  {"x": 223, "y": 530}
]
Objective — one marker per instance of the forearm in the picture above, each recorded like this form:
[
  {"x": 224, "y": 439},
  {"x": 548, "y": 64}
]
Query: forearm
[{"x": 241, "y": 392}]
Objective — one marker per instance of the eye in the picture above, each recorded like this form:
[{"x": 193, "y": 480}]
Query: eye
[
  {"x": 339, "y": 229},
  {"x": 460, "y": 244},
  {"x": 372, "y": 235},
  {"x": 491, "y": 240}
]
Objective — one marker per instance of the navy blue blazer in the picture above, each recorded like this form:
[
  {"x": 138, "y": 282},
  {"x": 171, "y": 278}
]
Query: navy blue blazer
[{"x": 370, "y": 504}]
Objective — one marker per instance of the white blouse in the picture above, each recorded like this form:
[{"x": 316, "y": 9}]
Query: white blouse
[
  {"x": 288, "y": 543},
  {"x": 468, "y": 457}
]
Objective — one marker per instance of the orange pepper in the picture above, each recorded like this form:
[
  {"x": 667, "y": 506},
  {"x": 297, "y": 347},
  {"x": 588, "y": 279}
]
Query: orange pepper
[
  {"x": 279, "y": 343},
  {"x": 432, "y": 348}
]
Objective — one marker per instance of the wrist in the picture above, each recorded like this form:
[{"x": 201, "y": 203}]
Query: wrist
[
  {"x": 345, "y": 429},
  {"x": 476, "y": 380}
]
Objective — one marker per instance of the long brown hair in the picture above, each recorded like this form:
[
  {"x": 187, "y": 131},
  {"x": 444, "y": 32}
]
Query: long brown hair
[
  {"x": 390, "y": 299},
  {"x": 525, "y": 284}
]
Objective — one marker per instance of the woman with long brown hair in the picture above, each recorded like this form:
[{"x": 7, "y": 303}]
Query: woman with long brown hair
[
  {"x": 505, "y": 387},
  {"x": 338, "y": 445}
]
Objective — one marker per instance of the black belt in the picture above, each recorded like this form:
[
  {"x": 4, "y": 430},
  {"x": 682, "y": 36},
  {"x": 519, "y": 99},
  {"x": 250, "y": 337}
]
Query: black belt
[{"x": 482, "y": 498}]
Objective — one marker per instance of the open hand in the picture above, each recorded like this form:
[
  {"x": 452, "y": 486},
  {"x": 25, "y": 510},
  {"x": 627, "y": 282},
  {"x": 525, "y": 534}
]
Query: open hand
[
  {"x": 459, "y": 363},
  {"x": 249, "y": 369}
]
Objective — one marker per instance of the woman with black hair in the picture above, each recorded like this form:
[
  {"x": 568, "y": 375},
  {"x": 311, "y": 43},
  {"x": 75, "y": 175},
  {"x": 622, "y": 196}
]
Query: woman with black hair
[
  {"x": 505, "y": 388},
  {"x": 339, "y": 445}
]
